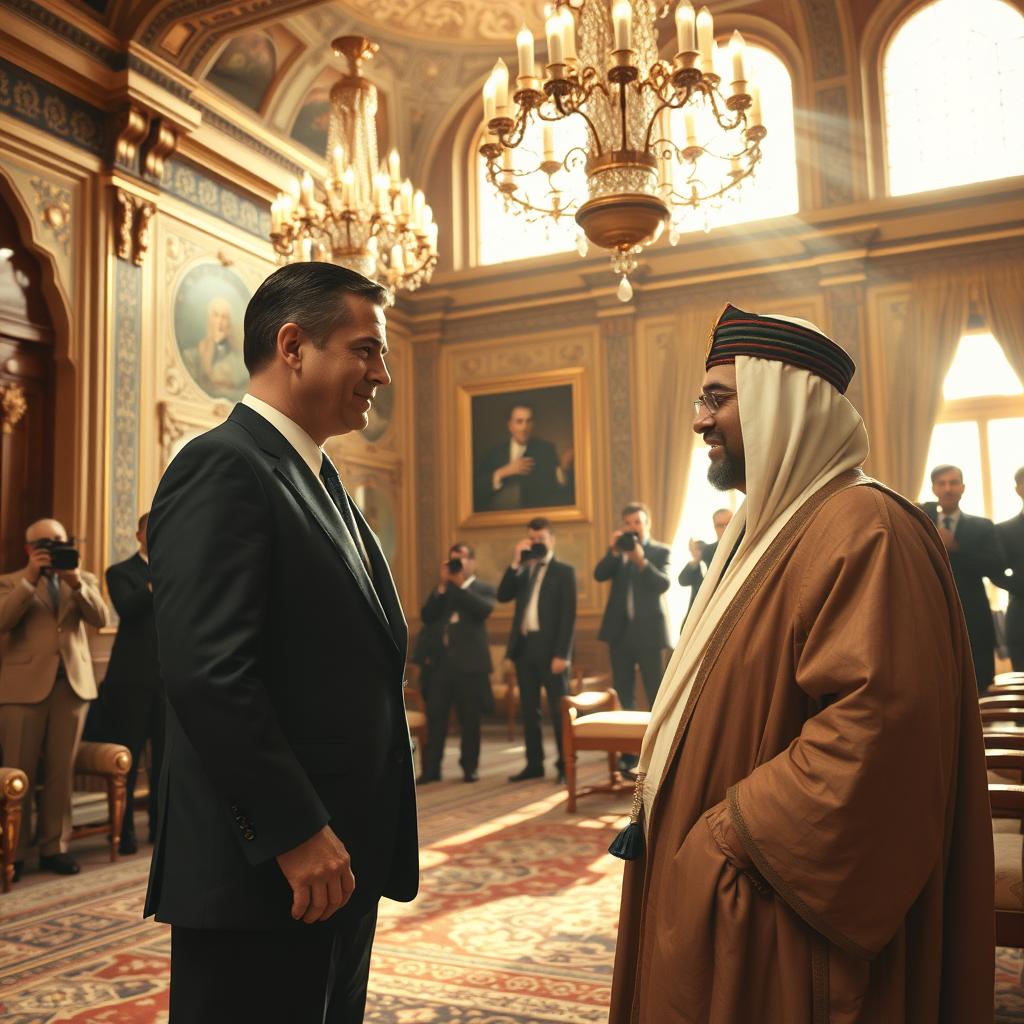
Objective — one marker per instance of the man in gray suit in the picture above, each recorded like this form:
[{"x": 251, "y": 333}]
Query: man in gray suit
[{"x": 46, "y": 683}]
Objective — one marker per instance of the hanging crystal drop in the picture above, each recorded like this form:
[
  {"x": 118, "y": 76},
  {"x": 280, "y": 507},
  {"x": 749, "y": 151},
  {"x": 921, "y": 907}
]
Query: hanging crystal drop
[
  {"x": 673, "y": 236},
  {"x": 582, "y": 246},
  {"x": 625, "y": 290}
]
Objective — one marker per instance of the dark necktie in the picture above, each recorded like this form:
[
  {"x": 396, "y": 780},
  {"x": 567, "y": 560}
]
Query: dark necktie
[
  {"x": 332, "y": 481},
  {"x": 947, "y": 522},
  {"x": 53, "y": 585}
]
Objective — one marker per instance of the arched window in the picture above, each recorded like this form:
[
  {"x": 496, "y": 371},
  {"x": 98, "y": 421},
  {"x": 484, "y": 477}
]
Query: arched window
[
  {"x": 980, "y": 426},
  {"x": 772, "y": 191},
  {"x": 953, "y": 76}
]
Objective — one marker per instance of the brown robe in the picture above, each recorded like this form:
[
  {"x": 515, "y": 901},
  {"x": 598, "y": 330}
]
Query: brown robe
[{"x": 820, "y": 849}]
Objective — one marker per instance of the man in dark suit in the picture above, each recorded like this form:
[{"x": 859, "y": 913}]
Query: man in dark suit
[
  {"x": 692, "y": 574},
  {"x": 287, "y": 803},
  {"x": 540, "y": 645},
  {"x": 1011, "y": 536},
  {"x": 132, "y": 698},
  {"x": 974, "y": 553},
  {"x": 524, "y": 471},
  {"x": 634, "y": 626},
  {"x": 460, "y": 606}
]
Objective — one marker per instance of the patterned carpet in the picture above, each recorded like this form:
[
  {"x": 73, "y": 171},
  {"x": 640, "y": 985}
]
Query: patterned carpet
[{"x": 515, "y": 924}]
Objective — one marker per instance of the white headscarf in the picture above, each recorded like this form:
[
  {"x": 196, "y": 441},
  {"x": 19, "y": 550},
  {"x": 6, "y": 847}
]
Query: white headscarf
[{"x": 799, "y": 433}]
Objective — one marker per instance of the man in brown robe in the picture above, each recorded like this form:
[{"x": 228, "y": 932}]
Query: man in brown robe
[{"x": 812, "y": 796}]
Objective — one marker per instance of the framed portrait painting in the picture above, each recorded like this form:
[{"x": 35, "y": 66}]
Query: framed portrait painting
[
  {"x": 523, "y": 449},
  {"x": 209, "y": 309}
]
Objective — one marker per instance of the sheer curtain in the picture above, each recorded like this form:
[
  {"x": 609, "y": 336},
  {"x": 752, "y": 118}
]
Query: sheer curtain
[
  {"x": 1000, "y": 292},
  {"x": 940, "y": 303}
]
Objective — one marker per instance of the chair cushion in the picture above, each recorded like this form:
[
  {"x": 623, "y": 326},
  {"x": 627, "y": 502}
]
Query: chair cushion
[
  {"x": 416, "y": 719},
  {"x": 1011, "y": 825},
  {"x": 612, "y": 725},
  {"x": 1009, "y": 874}
]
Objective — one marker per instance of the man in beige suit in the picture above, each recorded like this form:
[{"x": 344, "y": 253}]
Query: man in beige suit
[{"x": 46, "y": 683}]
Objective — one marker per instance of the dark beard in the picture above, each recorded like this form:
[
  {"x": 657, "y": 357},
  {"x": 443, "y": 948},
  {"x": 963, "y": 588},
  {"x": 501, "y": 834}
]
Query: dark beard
[{"x": 727, "y": 474}]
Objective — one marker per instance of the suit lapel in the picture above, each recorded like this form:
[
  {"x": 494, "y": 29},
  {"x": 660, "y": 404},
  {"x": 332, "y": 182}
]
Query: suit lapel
[
  {"x": 316, "y": 500},
  {"x": 386, "y": 589}
]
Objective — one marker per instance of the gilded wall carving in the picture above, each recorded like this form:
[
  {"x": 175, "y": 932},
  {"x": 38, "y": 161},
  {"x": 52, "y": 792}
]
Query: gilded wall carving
[
  {"x": 187, "y": 182},
  {"x": 617, "y": 334},
  {"x": 456, "y": 21},
  {"x": 835, "y": 158},
  {"x": 427, "y": 468},
  {"x": 826, "y": 34},
  {"x": 52, "y": 205}
]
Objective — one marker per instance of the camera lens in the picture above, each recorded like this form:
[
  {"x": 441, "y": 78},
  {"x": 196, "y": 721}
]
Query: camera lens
[
  {"x": 455, "y": 566},
  {"x": 538, "y": 550}
]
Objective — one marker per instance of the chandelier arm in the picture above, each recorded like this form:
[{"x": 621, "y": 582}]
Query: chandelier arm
[
  {"x": 525, "y": 204},
  {"x": 723, "y": 122},
  {"x": 581, "y": 113}
]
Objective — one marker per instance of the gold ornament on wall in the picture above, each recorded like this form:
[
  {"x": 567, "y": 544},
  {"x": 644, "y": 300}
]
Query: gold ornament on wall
[
  {"x": 13, "y": 406},
  {"x": 132, "y": 215}
]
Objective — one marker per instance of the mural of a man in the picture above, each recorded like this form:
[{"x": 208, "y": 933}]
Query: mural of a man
[
  {"x": 216, "y": 362},
  {"x": 523, "y": 471}
]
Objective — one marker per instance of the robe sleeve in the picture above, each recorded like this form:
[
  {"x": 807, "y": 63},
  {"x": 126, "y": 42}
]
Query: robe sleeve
[{"x": 848, "y": 823}]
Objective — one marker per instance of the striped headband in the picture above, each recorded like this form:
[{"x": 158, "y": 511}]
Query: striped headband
[{"x": 764, "y": 337}]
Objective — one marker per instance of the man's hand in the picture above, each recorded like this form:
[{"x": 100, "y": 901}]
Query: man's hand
[
  {"x": 445, "y": 577},
  {"x": 320, "y": 874},
  {"x": 611, "y": 544},
  {"x": 72, "y": 577},
  {"x": 457, "y": 579},
  {"x": 566, "y": 460},
  {"x": 38, "y": 560},
  {"x": 948, "y": 540},
  {"x": 558, "y": 666},
  {"x": 517, "y": 467},
  {"x": 636, "y": 556},
  {"x": 696, "y": 550},
  {"x": 521, "y": 548}
]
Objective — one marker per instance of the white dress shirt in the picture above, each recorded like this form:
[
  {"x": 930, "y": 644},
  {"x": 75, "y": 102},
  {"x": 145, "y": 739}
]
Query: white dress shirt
[
  {"x": 455, "y": 615},
  {"x": 954, "y": 518},
  {"x": 531, "y": 615},
  {"x": 307, "y": 449},
  {"x": 515, "y": 451}
]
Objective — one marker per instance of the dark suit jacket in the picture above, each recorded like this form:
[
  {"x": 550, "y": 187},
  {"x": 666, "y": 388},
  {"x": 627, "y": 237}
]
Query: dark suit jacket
[
  {"x": 980, "y": 555},
  {"x": 649, "y": 625},
  {"x": 556, "y": 607},
  {"x": 467, "y": 649},
  {"x": 692, "y": 576},
  {"x": 1011, "y": 536},
  {"x": 283, "y": 666},
  {"x": 132, "y": 682},
  {"x": 538, "y": 489}
]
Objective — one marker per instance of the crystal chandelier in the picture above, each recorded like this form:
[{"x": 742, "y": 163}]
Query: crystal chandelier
[
  {"x": 365, "y": 216},
  {"x": 631, "y": 101}
]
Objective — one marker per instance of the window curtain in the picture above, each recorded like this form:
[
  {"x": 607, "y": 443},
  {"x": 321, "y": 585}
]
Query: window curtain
[
  {"x": 940, "y": 303},
  {"x": 676, "y": 370},
  {"x": 1000, "y": 292}
]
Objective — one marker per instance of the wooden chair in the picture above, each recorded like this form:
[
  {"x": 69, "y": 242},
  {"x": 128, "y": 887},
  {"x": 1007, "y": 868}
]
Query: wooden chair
[
  {"x": 103, "y": 766},
  {"x": 595, "y": 720},
  {"x": 504, "y": 688},
  {"x": 1002, "y": 700},
  {"x": 13, "y": 787},
  {"x": 1007, "y": 801},
  {"x": 1010, "y": 715},
  {"x": 416, "y": 716},
  {"x": 1009, "y": 679}
]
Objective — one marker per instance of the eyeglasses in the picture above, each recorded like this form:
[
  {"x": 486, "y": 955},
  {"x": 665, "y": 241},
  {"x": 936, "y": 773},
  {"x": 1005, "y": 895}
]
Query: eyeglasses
[{"x": 712, "y": 401}]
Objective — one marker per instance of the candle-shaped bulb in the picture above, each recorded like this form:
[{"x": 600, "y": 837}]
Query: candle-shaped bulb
[
  {"x": 568, "y": 33},
  {"x": 549, "y": 142},
  {"x": 524, "y": 44},
  {"x": 709, "y": 63},
  {"x": 307, "y": 190},
  {"x": 394, "y": 166},
  {"x": 755, "y": 107},
  {"x": 380, "y": 190},
  {"x": 428, "y": 216},
  {"x": 691, "y": 127},
  {"x": 500, "y": 76},
  {"x": 293, "y": 188},
  {"x": 737, "y": 51},
  {"x": 685, "y": 26},
  {"x": 489, "y": 99},
  {"x": 622, "y": 23},
  {"x": 556, "y": 40},
  {"x": 432, "y": 236},
  {"x": 419, "y": 201},
  {"x": 339, "y": 161},
  {"x": 397, "y": 259},
  {"x": 705, "y": 34},
  {"x": 348, "y": 179}
]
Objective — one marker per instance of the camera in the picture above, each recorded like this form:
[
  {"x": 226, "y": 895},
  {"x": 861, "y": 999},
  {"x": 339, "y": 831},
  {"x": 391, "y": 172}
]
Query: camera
[
  {"x": 537, "y": 550},
  {"x": 63, "y": 554},
  {"x": 454, "y": 566},
  {"x": 627, "y": 541}
]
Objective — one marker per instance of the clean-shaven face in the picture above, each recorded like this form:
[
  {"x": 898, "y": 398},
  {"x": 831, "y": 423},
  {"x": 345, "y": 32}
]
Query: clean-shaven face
[
  {"x": 340, "y": 379},
  {"x": 949, "y": 489},
  {"x": 520, "y": 424}
]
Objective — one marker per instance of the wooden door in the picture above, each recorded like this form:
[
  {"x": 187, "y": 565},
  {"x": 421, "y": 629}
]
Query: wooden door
[{"x": 26, "y": 395}]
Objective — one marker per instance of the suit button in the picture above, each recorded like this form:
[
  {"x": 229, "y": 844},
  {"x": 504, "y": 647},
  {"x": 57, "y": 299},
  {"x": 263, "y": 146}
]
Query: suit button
[{"x": 249, "y": 834}]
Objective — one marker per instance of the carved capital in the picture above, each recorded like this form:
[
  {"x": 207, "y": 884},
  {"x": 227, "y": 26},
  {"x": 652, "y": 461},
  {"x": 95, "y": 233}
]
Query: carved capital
[
  {"x": 132, "y": 215},
  {"x": 143, "y": 215},
  {"x": 13, "y": 405}
]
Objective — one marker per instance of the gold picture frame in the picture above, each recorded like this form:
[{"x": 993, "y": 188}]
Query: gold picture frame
[{"x": 481, "y": 431}]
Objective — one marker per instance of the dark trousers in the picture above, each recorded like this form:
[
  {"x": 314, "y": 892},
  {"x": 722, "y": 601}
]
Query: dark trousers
[
  {"x": 1015, "y": 632},
  {"x": 625, "y": 654},
  {"x": 533, "y": 671},
  {"x": 153, "y": 731},
  {"x": 462, "y": 689},
  {"x": 314, "y": 974}
]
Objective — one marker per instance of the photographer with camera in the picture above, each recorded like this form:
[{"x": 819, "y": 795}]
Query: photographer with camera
[
  {"x": 46, "y": 681},
  {"x": 460, "y": 669},
  {"x": 635, "y": 626},
  {"x": 540, "y": 645}
]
